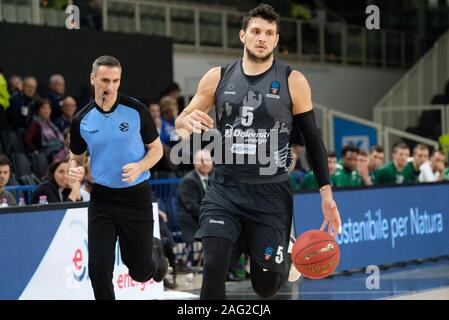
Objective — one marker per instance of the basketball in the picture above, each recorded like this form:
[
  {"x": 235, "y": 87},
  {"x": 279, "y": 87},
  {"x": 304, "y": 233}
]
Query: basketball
[{"x": 315, "y": 254}]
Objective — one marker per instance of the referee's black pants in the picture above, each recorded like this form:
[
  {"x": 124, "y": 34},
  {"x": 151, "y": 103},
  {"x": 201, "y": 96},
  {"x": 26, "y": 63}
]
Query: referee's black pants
[{"x": 127, "y": 214}]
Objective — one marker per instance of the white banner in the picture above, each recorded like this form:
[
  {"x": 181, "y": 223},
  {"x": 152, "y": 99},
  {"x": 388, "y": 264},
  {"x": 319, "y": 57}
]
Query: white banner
[{"x": 63, "y": 272}]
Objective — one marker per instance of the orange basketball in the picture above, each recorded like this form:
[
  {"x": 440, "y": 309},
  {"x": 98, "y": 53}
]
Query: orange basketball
[{"x": 315, "y": 254}]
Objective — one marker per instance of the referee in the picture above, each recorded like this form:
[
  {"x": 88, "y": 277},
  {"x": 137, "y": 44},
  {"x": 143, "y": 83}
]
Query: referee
[{"x": 116, "y": 130}]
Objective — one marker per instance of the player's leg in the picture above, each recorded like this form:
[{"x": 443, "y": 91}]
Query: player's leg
[
  {"x": 267, "y": 283},
  {"x": 102, "y": 237},
  {"x": 217, "y": 254},
  {"x": 267, "y": 224},
  {"x": 219, "y": 229},
  {"x": 141, "y": 252}
]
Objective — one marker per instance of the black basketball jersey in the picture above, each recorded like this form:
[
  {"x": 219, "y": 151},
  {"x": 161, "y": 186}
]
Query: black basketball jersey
[{"x": 254, "y": 116}]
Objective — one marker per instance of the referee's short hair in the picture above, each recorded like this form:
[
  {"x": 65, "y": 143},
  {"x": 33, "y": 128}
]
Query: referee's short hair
[{"x": 108, "y": 61}]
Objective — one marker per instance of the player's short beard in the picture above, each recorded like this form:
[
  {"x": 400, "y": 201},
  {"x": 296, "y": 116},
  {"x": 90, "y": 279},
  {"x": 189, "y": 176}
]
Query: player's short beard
[{"x": 251, "y": 56}]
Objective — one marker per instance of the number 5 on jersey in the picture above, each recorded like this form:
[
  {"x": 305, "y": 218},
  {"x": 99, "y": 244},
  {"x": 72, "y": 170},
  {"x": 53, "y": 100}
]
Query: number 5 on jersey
[{"x": 247, "y": 116}]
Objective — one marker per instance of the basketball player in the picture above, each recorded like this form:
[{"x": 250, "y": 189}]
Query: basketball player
[
  {"x": 255, "y": 96},
  {"x": 117, "y": 130}
]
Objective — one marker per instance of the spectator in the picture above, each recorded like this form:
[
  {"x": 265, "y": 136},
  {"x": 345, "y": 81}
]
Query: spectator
[
  {"x": 411, "y": 170},
  {"x": 190, "y": 192},
  {"x": 22, "y": 106},
  {"x": 155, "y": 111},
  {"x": 56, "y": 94},
  {"x": 4, "y": 100},
  {"x": 168, "y": 245},
  {"x": 56, "y": 187},
  {"x": 68, "y": 109},
  {"x": 363, "y": 168},
  {"x": 376, "y": 161},
  {"x": 15, "y": 84},
  {"x": 169, "y": 111},
  {"x": 88, "y": 182},
  {"x": 44, "y": 136},
  {"x": 173, "y": 90},
  {"x": 347, "y": 176},
  {"x": 309, "y": 181},
  {"x": 433, "y": 170},
  {"x": 392, "y": 173},
  {"x": 5, "y": 171}
]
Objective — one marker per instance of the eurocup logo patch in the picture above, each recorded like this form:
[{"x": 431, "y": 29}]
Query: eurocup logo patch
[
  {"x": 275, "y": 87},
  {"x": 124, "y": 126},
  {"x": 268, "y": 253}
]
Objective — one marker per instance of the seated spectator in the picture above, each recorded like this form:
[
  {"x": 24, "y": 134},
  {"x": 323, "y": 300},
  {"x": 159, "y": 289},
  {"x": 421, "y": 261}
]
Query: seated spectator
[
  {"x": 88, "y": 182},
  {"x": 309, "y": 180},
  {"x": 433, "y": 170},
  {"x": 44, "y": 136},
  {"x": 56, "y": 94},
  {"x": 5, "y": 171},
  {"x": 411, "y": 170},
  {"x": 190, "y": 193},
  {"x": 173, "y": 90},
  {"x": 169, "y": 111},
  {"x": 376, "y": 161},
  {"x": 155, "y": 111},
  {"x": 56, "y": 187},
  {"x": 168, "y": 245},
  {"x": 22, "y": 106},
  {"x": 68, "y": 109},
  {"x": 347, "y": 176},
  {"x": 363, "y": 168},
  {"x": 15, "y": 84},
  {"x": 392, "y": 173}
]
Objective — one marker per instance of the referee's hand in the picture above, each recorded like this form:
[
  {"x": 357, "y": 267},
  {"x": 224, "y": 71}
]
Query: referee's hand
[
  {"x": 131, "y": 171},
  {"x": 76, "y": 174}
]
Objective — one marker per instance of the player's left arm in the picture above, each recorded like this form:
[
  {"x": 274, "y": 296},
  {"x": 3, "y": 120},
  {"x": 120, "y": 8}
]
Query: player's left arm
[{"x": 304, "y": 119}]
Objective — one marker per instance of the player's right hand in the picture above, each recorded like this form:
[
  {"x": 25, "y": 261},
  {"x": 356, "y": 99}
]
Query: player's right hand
[
  {"x": 197, "y": 121},
  {"x": 76, "y": 174}
]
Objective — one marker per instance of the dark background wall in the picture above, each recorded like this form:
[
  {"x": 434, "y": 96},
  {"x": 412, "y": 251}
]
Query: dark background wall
[{"x": 42, "y": 51}]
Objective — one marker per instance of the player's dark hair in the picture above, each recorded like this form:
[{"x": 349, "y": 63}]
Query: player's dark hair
[{"x": 265, "y": 12}]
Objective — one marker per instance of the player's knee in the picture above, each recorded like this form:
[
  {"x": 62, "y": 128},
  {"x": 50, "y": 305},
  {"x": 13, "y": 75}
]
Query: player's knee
[{"x": 265, "y": 290}]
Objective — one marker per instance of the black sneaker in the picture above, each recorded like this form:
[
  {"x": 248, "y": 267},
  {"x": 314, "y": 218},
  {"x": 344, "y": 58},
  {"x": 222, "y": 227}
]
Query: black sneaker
[{"x": 160, "y": 261}]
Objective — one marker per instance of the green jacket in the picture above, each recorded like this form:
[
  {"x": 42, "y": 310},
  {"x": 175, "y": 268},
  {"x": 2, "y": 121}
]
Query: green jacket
[
  {"x": 343, "y": 178},
  {"x": 389, "y": 174},
  {"x": 309, "y": 181},
  {"x": 410, "y": 174}
]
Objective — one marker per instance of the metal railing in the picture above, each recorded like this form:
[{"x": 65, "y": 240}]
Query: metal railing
[
  {"x": 386, "y": 135},
  {"x": 403, "y": 117},
  {"x": 424, "y": 80},
  {"x": 215, "y": 30},
  {"x": 389, "y": 143}
]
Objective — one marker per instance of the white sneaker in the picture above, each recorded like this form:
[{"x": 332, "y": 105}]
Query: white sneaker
[{"x": 294, "y": 274}]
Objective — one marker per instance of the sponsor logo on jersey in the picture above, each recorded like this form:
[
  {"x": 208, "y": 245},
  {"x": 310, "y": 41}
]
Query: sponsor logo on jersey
[
  {"x": 230, "y": 89},
  {"x": 124, "y": 126},
  {"x": 275, "y": 88},
  {"x": 268, "y": 253}
]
